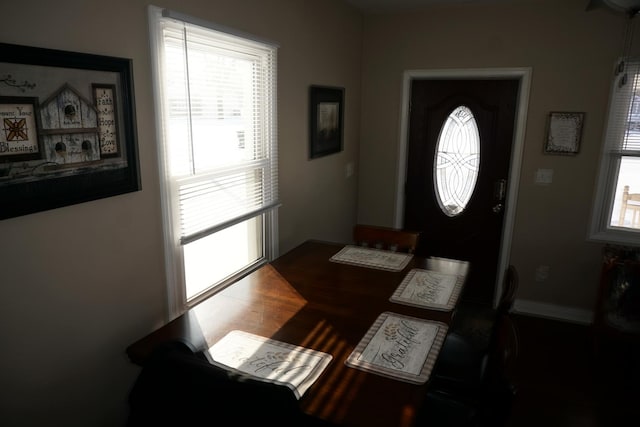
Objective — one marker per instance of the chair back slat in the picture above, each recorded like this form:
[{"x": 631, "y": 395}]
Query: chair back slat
[
  {"x": 386, "y": 238},
  {"x": 630, "y": 202}
]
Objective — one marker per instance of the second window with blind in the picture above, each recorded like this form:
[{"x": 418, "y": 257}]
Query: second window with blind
[
  {"x": 216, "y": 111},
  {"x": 616, "y": 213}
]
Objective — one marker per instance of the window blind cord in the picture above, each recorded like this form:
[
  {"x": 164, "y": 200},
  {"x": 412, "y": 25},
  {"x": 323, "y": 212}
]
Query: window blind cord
[
  {"x": 626, "y": 49},
  {"x": 192, "y": 155}
]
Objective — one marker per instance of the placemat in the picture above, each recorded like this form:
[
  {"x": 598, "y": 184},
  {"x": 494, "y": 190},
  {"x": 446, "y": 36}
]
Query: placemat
[
  {"x": 372, "y": 258},
  {"x": 399, "y": 347},
  {"x": 429, "y": 289},
  {"x": 269, "y": 360},
  {"x": 448, "y": 265}
]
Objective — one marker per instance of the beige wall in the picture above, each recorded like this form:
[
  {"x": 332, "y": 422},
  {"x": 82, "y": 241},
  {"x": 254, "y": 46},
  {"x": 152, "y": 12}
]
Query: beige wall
[
  {"x": 80, "y": 283},
  {"x": 571, "y": 53}
]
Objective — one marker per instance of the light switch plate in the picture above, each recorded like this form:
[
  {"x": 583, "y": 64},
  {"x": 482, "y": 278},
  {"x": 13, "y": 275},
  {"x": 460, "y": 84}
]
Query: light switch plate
[
  {"x": 349, "y": 169},
  {"x": 544, "y": 176}
]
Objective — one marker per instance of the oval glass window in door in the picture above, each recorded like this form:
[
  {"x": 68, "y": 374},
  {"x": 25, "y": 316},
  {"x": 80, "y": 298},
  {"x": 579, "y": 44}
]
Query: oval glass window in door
[{"x": 457, "y": 161}]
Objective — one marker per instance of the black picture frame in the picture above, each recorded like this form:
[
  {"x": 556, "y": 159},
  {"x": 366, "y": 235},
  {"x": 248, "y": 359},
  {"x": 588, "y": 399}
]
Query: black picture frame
[
  {"x": 72, "y": 164},
  {"x": 326, "y": 120}
]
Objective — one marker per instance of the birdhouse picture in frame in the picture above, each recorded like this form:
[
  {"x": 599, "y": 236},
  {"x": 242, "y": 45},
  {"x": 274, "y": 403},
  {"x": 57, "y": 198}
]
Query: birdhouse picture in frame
[{"x": 67, "y": 129}]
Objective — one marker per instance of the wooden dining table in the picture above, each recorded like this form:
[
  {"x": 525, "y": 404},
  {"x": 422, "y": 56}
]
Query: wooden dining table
[{"x": 305, "y": 299}]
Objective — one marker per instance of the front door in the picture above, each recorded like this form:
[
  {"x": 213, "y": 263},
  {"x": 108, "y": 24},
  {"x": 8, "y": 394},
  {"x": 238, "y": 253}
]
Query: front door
[{"x": 460, "y": 141}]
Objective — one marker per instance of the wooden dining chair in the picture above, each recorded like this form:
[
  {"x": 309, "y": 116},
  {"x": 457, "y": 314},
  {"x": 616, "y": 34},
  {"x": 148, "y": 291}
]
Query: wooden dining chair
[
  {"x": 631, "y": 203},
  {"x": 392, "y": 239}
]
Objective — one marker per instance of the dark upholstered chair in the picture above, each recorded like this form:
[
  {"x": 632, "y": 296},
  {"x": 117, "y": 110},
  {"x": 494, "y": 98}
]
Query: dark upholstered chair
[
  {"x": 441, "y": 410},
  {"x": 179, "y": 387},
  {"x": 480, "y": 343},
  {"x": 469, "y": 386}
]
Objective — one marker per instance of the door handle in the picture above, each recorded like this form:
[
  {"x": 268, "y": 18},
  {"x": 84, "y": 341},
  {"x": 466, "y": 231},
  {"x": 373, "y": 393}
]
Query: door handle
[
  {"x": 499, "y": 192},
  {"x": 500, "y": 189}
]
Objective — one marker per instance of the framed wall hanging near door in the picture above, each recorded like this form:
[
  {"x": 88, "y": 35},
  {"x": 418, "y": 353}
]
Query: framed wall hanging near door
[
  {"x": 564, "y": 131},
  {"x": 326, "y": 120},
  {"x": 67, "y": 129}
]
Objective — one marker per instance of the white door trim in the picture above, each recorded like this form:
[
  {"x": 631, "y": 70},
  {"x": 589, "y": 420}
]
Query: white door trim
[{"x": 524, "y": 76}]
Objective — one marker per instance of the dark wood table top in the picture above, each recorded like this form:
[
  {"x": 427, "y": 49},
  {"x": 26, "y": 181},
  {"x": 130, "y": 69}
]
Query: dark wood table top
[{"x": 305, "y": 299}]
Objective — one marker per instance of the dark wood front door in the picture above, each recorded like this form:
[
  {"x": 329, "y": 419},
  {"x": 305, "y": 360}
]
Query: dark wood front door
[{"x": 475, "y": 233}]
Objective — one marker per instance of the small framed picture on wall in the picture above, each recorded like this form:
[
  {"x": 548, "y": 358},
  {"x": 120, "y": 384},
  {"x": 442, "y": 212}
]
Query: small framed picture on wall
[
  {"x": 564, "y": 132},
  {"x": 326, "y": 120}
]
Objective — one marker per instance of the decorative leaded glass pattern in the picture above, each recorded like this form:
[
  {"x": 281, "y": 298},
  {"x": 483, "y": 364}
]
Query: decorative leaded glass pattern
[{"x": 457, "y": 161}]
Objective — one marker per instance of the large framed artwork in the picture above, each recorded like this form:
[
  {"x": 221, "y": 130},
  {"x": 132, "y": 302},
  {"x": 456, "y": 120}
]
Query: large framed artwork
[
  {"x": 326, "y": 120},
  {"x": 67, "y": 129}
]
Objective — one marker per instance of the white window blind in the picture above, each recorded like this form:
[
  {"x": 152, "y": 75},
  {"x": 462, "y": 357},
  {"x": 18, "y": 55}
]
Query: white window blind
[
  {"x": 623, "y": 127},
  {"x": 221, "y": 136},
  {"x": 215, "y": 94}
]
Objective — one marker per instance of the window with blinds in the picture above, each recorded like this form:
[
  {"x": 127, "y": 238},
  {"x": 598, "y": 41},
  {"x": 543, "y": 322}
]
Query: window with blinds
[
  {"x": 616, "y": 215},
  {"x": 216, "y": 98}
]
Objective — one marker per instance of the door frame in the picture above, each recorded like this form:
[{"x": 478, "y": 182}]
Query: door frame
[{"x": 523, "y": 75}]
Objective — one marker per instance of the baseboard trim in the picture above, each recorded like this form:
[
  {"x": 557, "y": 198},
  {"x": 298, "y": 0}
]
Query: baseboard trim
[{"x": 553, "y": 311}]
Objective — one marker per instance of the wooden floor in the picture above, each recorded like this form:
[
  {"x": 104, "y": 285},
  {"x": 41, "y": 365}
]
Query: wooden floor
[{"x": 560, "y": 382}]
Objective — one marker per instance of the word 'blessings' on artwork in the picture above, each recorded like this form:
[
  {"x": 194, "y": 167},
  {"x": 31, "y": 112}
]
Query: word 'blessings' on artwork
[{"x": 18, "y": 129}]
